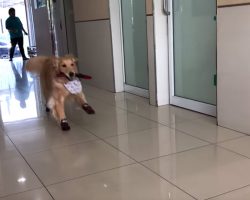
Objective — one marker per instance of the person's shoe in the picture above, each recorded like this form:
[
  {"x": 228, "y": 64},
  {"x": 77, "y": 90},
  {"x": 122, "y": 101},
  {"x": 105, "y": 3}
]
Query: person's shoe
[
  {"x": 10, "y": 59},
  {"x": 25, "y": 58}
]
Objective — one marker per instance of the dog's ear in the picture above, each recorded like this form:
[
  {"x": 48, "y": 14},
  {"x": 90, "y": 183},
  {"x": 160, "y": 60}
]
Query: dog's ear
[{"x": 72, "y": 57}]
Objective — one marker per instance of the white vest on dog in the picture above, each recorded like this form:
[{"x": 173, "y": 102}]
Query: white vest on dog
[{"x": 74, "y": 87}]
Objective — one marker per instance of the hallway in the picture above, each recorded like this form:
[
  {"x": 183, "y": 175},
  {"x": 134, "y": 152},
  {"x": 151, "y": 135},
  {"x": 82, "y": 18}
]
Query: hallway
[{"x": 128, "y": 150}]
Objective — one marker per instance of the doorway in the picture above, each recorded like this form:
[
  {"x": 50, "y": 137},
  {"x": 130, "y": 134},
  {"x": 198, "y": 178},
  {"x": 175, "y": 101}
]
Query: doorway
[
  {"x": 5, "y": 45},
  {"x": 192, "y": 39},
  {"x": 134, "y": 31},
  {"x": 18, "y": 95}
]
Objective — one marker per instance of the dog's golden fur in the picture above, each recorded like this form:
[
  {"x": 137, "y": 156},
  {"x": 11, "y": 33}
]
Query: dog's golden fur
[{"x": 54, "y": 72}]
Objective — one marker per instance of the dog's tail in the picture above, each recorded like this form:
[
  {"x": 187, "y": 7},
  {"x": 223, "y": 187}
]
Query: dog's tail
[{"x": 36, "y": 64}]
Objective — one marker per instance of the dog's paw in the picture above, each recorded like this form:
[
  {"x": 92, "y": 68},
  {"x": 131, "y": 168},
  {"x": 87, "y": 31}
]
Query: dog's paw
[
  {"x": 65, "y": 125},
  {"x": 88, "y": 109}
]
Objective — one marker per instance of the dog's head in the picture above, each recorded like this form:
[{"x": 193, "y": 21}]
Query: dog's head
[{"x": 67, "y": 66}]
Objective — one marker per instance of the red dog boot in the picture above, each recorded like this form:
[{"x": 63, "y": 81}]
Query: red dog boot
[
  {"x": 47, "y": 109},
  {"x": 88, "y": 109},
  {"x": 65, "y": 125}
]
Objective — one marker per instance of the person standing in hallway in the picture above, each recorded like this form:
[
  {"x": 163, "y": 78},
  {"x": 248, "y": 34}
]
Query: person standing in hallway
[{"x": 15, "y": 28}]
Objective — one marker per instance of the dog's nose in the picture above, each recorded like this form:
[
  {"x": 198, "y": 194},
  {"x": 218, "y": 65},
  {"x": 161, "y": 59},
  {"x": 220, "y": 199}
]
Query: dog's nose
[{"x": 71, "y": 74}]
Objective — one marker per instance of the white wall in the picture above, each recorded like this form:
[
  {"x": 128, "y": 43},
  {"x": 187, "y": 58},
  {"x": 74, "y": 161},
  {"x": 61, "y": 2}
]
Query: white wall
[
  {"x": 94, "y": 42},
  {"x": 95, "y": 52},
  {"x": 234, "y": 68},
  {"x": 88, "y": 10}
]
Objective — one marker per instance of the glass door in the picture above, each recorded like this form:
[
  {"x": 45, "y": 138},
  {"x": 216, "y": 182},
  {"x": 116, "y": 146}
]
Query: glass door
[
  {"x": 193, "y": 54},
  {"x": 134, "y": 25}
]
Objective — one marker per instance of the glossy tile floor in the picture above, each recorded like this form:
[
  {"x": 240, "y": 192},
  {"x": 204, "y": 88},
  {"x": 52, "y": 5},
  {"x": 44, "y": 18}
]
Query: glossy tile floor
[{"x": 128, "y": 150}]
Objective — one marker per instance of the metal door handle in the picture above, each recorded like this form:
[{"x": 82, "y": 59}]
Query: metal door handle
[{"x": 165, "y": 7}]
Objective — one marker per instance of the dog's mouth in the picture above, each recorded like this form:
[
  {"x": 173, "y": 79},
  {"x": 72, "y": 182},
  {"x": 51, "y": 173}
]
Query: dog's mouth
[{"x": 70, "y": 76}]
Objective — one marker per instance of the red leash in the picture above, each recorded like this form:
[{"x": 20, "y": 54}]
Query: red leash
[
  {"x": 83, "y": 76},
  {"x": 78, "y": 75}
]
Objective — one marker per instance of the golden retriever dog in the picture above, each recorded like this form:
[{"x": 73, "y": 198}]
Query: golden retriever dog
[{"x": 58, "y": 78}]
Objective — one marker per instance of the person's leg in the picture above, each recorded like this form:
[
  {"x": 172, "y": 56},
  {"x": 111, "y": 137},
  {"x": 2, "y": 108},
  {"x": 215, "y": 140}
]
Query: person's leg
[
  {"x": 20, "y": 44},
  {"x": 12, "y": 49}
]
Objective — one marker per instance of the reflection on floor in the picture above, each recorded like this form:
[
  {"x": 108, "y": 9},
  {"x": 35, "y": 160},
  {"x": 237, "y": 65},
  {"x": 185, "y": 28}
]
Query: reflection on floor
[
  {"x": 128, "y": 150},
  {"x": 19, "y": 95}
]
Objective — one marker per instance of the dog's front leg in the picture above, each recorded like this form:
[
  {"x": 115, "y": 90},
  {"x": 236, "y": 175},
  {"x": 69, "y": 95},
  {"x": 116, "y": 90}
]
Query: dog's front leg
[
  {"x": 60, "y": 112},
  {"x": 80, "y": 98}
]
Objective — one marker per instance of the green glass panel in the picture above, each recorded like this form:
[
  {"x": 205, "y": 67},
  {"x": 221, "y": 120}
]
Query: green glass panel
[
  {"x": 194, "y": 23},
  {"x": 135, "y": 43}
]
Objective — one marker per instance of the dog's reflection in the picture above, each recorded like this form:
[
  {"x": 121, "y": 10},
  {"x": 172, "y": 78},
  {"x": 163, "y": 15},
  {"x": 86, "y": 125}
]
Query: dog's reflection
[{"x": 22, "y": 87}]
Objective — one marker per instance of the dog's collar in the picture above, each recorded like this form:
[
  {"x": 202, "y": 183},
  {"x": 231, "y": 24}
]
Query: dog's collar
[{"x": 74, "y": 87}]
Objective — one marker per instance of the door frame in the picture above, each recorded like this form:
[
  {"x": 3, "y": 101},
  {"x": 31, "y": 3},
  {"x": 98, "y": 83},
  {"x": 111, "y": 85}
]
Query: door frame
[
  {"x": 118, "y": 56},
  {"x": 130, "y": 88},
  {"x": 30, "y": 22},
  {"x": 175, "y": 100},
  {"x": 158, "y": 69}
]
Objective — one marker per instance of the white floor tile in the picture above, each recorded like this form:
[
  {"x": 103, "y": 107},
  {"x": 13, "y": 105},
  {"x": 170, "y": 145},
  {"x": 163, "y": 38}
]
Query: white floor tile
[
  {"x": 49, "y": 137},
  {"x": 241, "y": 194},
  {"x": 39, "y": 194},
  {"x": 78, "y": 160},
  {"x": 240, "y": 145},
  {"x": 126, "y": 183},
  {"x": 154, "y": 143},
  {"x": 122, "y": 123},
  {"x": 28, "y": 125},
  {"x": 16, "y": 176},
  {"x": 7, "y": 149},
  {"x": 167, "y": 115},
  {"x": 204, "y": 172},
  {"x": 208, "y": 131}
]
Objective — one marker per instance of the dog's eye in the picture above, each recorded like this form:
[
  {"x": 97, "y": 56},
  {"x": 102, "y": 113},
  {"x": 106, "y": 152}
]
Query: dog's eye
[
  {"x": 63, "y": 65},
  {"x": 72, "y": 64}
]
